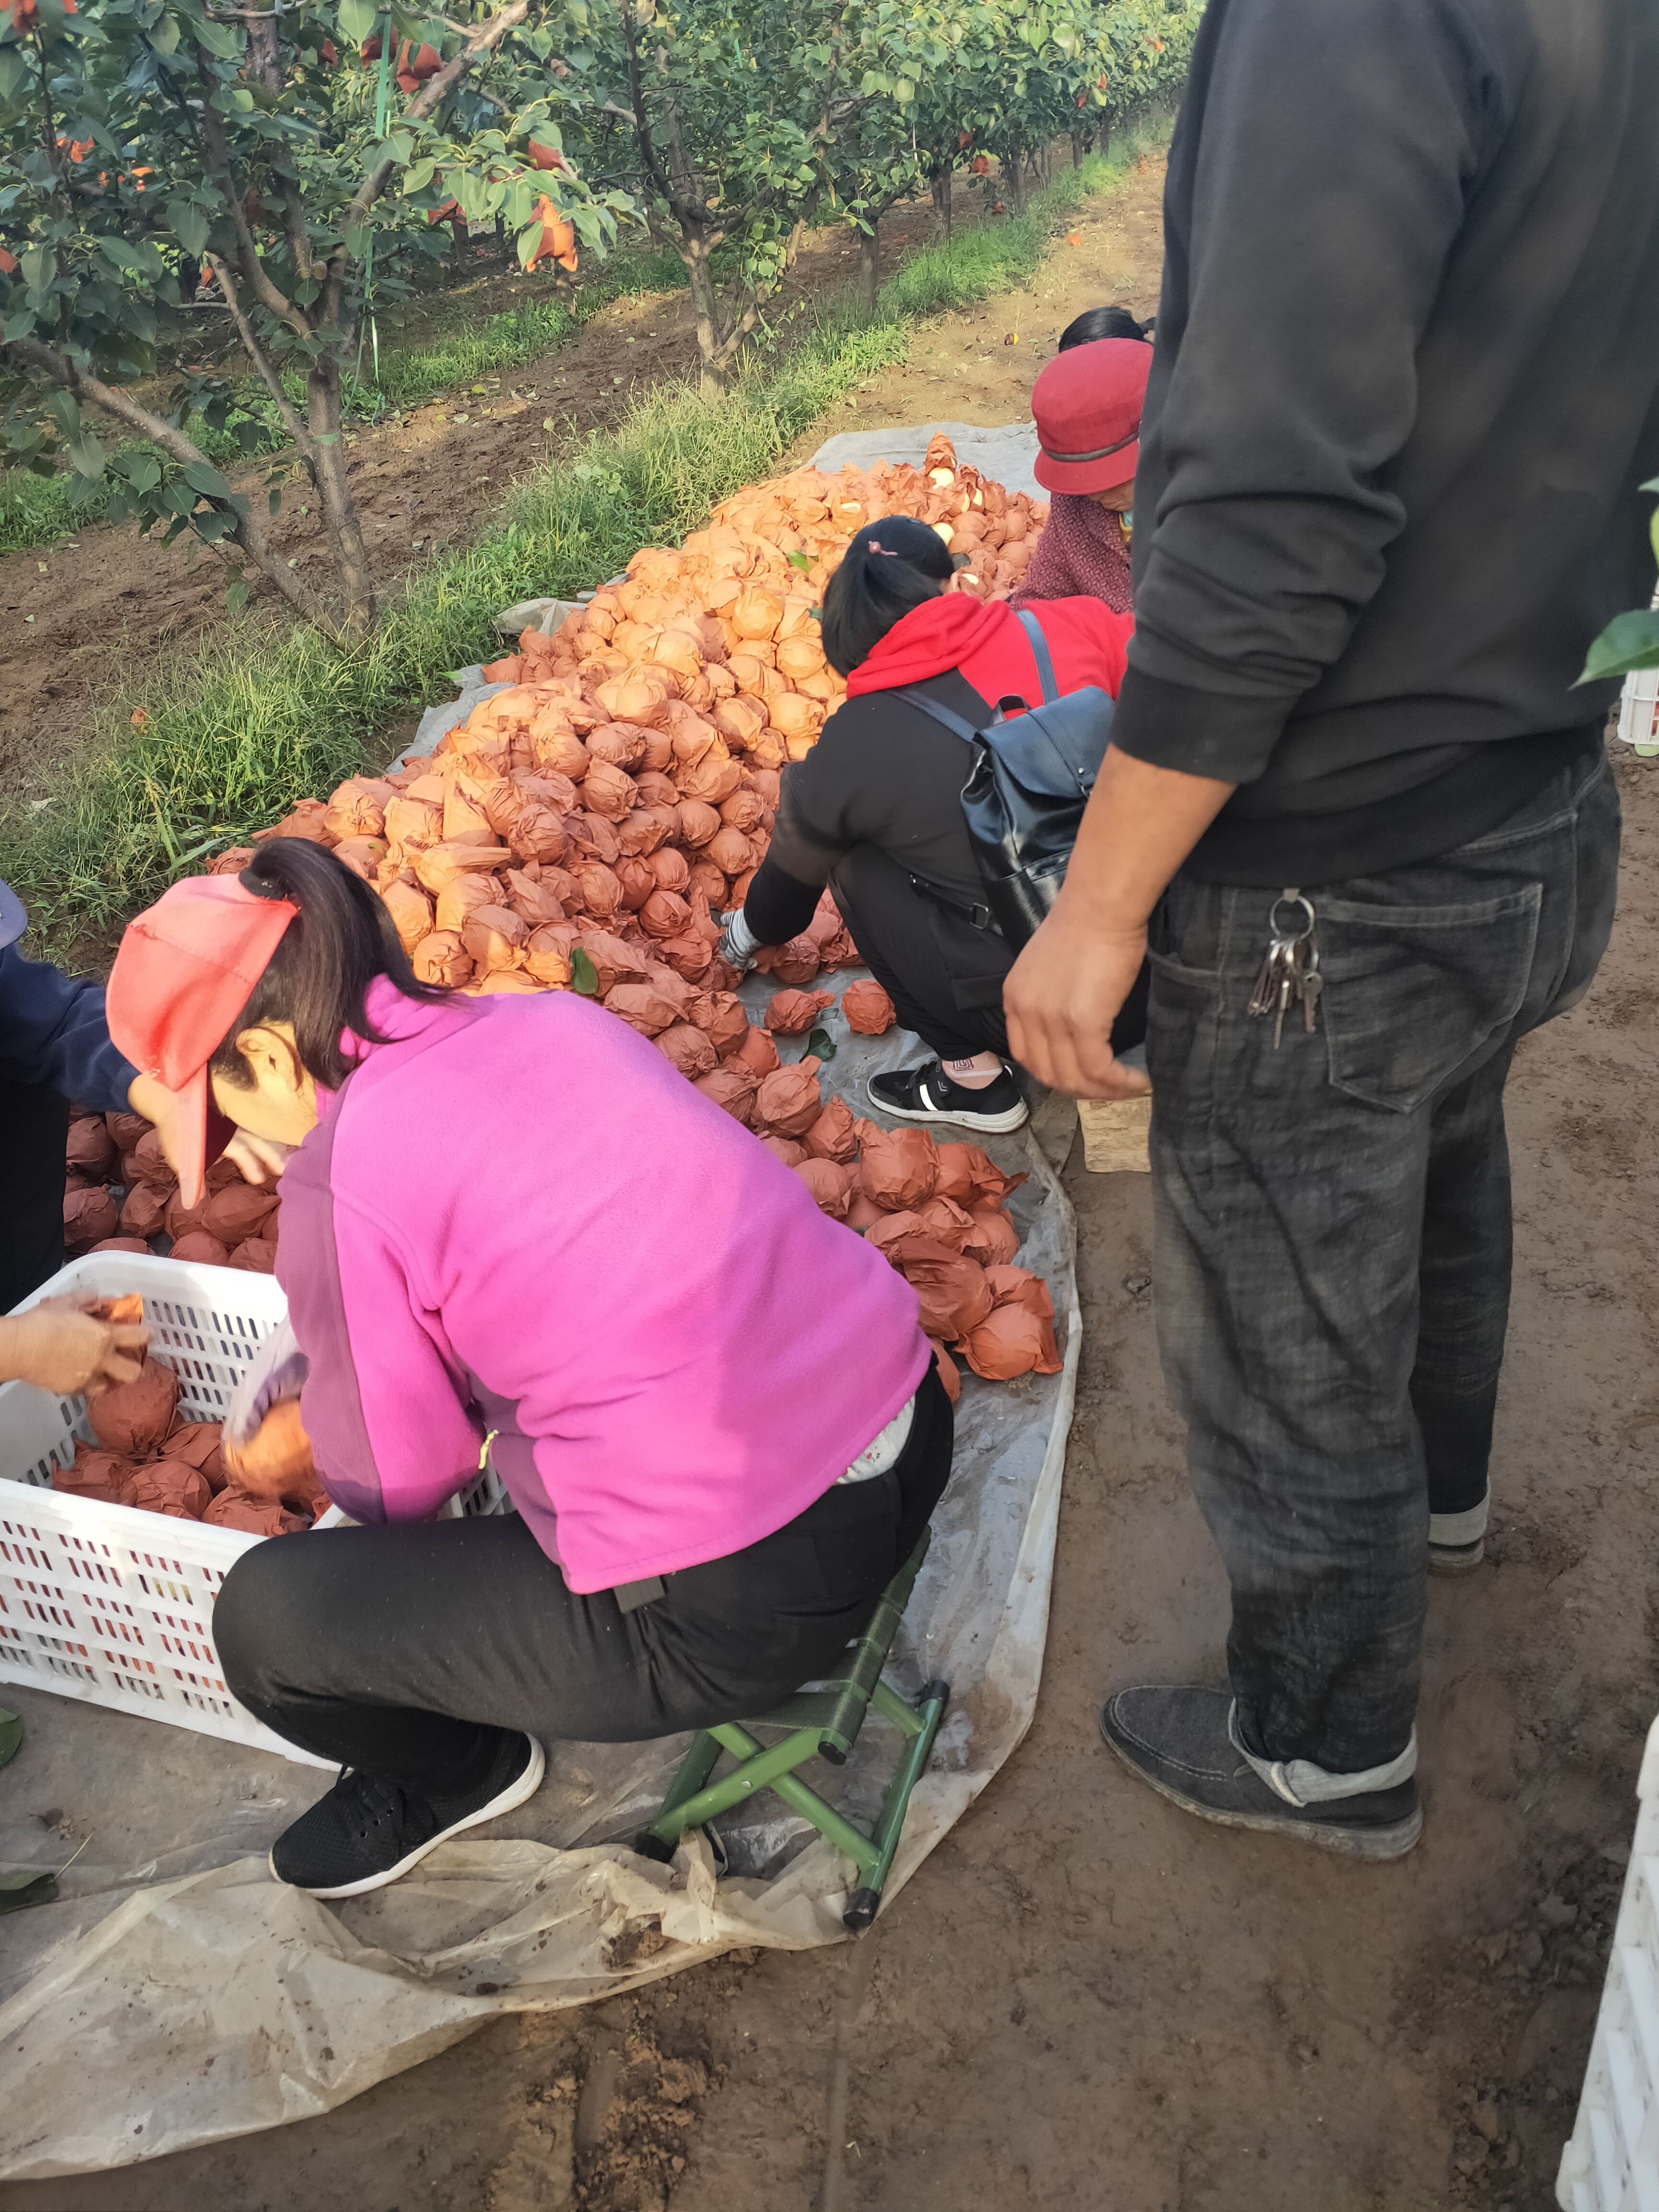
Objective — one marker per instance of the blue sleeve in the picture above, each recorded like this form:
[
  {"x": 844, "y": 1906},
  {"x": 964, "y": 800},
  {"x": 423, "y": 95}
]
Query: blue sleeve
[{"x": 53, "y": 1033}]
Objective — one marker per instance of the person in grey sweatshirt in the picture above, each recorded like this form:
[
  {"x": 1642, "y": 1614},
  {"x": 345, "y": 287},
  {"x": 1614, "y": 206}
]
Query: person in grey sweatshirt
[{"x": 1356, "y": 809}]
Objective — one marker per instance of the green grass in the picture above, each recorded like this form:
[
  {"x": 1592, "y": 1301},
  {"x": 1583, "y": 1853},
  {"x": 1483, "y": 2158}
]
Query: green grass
[
  {"x": 38, "y": 510},
  {"x": 261, "y": 715}
]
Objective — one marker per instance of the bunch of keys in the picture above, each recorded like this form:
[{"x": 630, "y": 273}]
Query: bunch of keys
[{"x": 1289, "y": 966}]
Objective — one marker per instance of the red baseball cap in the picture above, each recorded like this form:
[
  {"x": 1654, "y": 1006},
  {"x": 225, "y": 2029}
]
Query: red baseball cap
[
  {"x": 186, "y": 967},
  {"x": 1087, "y": 403}
]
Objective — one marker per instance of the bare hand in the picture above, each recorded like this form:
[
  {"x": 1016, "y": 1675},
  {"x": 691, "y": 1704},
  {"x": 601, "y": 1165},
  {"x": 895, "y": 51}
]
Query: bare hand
[
  {"x": 261, "y": 1159},
  {"x": 59, "y": 1346},
  {"x": 1061, "y": 997}
]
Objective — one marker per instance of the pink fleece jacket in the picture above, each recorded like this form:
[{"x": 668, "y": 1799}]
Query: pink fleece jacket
[{"x": 518, "y": 1216}]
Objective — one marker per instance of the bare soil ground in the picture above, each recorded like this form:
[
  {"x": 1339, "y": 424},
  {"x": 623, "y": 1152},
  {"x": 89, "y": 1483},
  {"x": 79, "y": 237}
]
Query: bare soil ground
[{"x": 1085, "y": 2000}]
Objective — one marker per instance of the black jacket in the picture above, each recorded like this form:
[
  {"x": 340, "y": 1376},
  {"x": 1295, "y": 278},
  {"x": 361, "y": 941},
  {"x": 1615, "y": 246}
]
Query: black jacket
[
  {"x": 884, "y": 778},
  {"x": 53, "y": 1033},
  {"x": 1404, "y": 393}
]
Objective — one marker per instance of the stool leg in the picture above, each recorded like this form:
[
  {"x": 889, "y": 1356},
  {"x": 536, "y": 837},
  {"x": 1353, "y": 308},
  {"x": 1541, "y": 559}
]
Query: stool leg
[
  {"x": 865, "y": 1902},
  {"x": 660, "y": 1838}
]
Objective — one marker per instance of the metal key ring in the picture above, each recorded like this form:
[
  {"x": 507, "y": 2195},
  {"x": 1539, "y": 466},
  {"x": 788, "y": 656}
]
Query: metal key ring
[{"x": 1292, "y": 936}]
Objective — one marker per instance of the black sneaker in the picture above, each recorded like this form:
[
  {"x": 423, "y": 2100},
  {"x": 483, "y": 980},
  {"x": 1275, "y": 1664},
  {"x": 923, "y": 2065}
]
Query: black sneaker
[
  {"x": 1457, "y": 1542},
  {"x": 1176, "y": 1737},
  {"x": 367, "y": 1831},
  {"x": 927, "y": 1094}
]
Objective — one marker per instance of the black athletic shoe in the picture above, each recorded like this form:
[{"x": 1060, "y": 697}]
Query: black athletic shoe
[
  {"x": 1176, "y": 1736},
  {"x": 927, "y": 1094},
  {"x": 367, "y": 1831}
]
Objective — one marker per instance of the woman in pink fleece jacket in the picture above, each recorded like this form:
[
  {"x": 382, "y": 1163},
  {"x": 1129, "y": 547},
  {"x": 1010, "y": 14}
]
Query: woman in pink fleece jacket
[{"x": 510, "y": 1221}]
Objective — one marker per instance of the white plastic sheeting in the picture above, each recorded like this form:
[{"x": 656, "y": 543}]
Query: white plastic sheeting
[
  {"x": 177, "y": 1994},
  {"x": 1005, "y": 454}
]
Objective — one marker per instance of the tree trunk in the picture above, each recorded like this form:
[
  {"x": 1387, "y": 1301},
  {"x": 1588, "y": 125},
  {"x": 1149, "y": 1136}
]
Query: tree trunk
[
  {"x": 462, "y": 239},
  {"x": 336, "y": 498},
  {"x": 870, "y": 265},
  {"x": 1079, "y": 148},
  {"x": 1103, "y": 139},
  {"x": 505, "y": 251},
  {"x": 706, "y": 315},
  {"x": 941, "y": 189},
  {"x": 1013, "y": 182}
]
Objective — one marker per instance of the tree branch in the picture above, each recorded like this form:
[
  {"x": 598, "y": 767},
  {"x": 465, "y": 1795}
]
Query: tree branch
[
  {"x": 273, "y": 383},
  {"x": 217, "y": 164},
  {"x": 481, "y": 41},
  {"x": 247, "y": 528}
]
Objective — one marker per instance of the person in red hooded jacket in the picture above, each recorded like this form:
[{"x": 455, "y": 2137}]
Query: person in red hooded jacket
[{"x": 875, "y": 810}]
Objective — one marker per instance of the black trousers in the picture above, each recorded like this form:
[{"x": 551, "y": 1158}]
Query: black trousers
[
  {"x": 410, "y": 1651},
  {"x": 944, "y": 975},
  {"x": 35, "y": 1125}
]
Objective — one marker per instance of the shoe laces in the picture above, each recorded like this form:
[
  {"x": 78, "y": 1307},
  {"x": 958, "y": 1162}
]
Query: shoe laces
[{"x": 372, "y": 1805}]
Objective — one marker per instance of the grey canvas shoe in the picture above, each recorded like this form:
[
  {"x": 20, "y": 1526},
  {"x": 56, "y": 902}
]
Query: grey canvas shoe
[{"x": 1179, "y": 1738}]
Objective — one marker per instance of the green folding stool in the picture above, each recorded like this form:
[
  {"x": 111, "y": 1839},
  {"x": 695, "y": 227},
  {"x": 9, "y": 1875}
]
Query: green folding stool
[{"x": 822, "y": 1723}]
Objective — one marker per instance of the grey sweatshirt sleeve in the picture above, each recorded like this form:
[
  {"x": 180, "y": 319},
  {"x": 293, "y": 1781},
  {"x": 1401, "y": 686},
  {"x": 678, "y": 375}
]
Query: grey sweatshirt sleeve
[{"x": 1317, "y": 184}]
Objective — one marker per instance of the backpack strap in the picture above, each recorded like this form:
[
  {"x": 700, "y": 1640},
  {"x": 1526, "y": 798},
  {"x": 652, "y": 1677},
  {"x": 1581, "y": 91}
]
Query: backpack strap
[
  {"x": 1039, "y": 644},
  {"x": 953, "y": 722}
]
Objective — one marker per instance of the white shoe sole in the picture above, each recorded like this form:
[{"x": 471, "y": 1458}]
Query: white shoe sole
[
  {"x": 515, "y": 1794},
  {"x": 984, "y": 1125}
]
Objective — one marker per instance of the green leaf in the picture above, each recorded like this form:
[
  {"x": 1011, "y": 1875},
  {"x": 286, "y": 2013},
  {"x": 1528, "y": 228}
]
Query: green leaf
[
  {"x": 222, "y": 43},
  {"x": 801, "y": 561},
  {"x": 189, "y": 224},
  {"x": 164, "y": 35},
  {"x": 238, "y": 592},
  {"x": 584, "y": 975},
  {"x": 64, "y": 409},
  {"x": 1629, "y": 641},
  {"x": 823, "y": 1043},
  {"x": 11, "y": 1734},
  {"x": 203, "y": 476},
  {"x": 356, "y": 19},
  {"x": 397, "y": 149},
  {"x": 87, "y": 457},
  {"x": 13, "y": 75},
  {"x": 126, "y": 258},
  {"x": 38, "y": 265}
]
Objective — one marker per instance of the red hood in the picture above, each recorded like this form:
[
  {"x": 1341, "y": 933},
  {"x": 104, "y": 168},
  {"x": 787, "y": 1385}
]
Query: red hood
[{"x": 933, "y": 638}]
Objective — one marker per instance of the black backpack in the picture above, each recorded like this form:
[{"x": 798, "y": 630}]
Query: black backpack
[{"x": 1030, "y": 780}]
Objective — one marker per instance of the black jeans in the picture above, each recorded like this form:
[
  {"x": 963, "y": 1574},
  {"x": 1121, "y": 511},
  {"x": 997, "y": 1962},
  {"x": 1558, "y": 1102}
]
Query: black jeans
[
  {"x": 944, "y": 974},
  {"x": 35, "y": 1121},
  {"x": 1332, "y": 1240},
  {"x": 410, "y": 1650}
]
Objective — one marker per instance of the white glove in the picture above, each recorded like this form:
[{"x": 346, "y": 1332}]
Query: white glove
[
  {"x": 739, "y": 944},
  {"x": 278, "y": 1371}
]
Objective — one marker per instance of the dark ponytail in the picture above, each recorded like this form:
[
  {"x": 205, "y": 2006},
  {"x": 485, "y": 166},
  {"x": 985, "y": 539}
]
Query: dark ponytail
[
  {"x": 888, "y": 567},
  {"x": 341, "y": 940},
  {"x": 1096, "y": 323}
]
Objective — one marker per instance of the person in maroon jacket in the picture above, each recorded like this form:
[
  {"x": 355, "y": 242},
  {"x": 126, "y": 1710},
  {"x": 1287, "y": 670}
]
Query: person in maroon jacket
[{"x": 875, "y": 810}]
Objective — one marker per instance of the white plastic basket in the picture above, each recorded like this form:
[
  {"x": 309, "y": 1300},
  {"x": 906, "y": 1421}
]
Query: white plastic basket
[
  {"x": 1612, "y": 2163},
  {"x": 105, "y": 1602}
]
